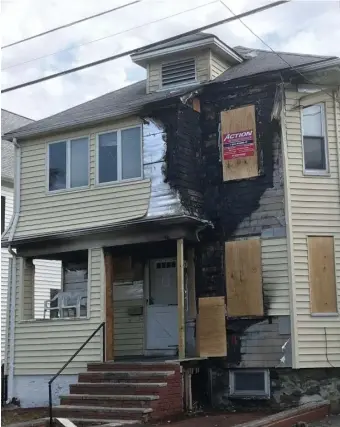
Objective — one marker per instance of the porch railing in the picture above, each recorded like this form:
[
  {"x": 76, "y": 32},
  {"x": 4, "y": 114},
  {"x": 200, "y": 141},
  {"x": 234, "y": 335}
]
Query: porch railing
[{"x": 50, "y": 408}]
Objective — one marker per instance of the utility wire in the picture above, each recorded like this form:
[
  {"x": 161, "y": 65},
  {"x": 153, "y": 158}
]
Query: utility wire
[
  {"x": 149, "y": 46},
  {"x": 70, "y": 24},
  {"x": 111, "y": 35},
  {"x": 276, "y": 53}
]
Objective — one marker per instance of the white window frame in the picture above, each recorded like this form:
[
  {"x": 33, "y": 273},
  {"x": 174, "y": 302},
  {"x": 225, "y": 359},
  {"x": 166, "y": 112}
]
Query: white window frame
[
  {"x": 265, "y": 394},
  {"x": 119, "y": 156},
  {"x": 175, "y": 85},
  {"x": 316, "y": 172},
  {"x": 68, "y": 164}
]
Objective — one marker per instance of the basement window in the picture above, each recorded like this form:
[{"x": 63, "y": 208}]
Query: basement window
[
  {"x": 179, "y": 72},
  {"x": 246, "y": 383}
]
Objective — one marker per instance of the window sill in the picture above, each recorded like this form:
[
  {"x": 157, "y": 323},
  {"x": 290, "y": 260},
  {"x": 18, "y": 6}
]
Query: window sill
[
  {"x": 121, "y": 183},
  {"x": 324, "y": 314},
  {"x": 68, "y": 190},
  {"x": 316, "y": 173},
  {"x": 66, "y": 319}
]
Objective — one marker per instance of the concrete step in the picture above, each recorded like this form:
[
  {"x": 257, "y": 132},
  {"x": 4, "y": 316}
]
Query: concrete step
[
  {"x": 89, "y": 422},
  {"x": 125, "y": 376},
  {"x": 131, "y": 366},
  {"x": 102, "y": 412},
  {"x": 112, "y": 401},
  {"x": 122, "y": 388}
]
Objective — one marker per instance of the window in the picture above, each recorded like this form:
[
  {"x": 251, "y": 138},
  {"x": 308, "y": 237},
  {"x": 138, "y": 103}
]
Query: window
[
  {"x": 119, "y": 155},
  {"x": 68, "y": 164},
  {"x": 3, "y": 213},
  {"x": 249, "y": 383},
  {"x": 179, "y": 72},
  {"x": 322, "y": 278},
  {"x": 314, "y": 139}
]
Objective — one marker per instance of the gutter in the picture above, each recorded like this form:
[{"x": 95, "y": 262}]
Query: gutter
[{"x": 10, "y": 342}]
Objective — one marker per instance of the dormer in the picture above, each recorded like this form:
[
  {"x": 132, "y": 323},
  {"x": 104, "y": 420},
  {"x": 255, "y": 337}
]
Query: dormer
[{"x": 190, "y": 60}]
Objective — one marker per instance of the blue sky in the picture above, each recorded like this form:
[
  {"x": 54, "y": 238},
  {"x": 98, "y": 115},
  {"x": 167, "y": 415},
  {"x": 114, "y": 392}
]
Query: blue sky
[{"x": 306, "y": 26}]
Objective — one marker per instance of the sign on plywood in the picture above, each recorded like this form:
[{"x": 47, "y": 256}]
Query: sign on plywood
[{"x": 238, "y": 130}]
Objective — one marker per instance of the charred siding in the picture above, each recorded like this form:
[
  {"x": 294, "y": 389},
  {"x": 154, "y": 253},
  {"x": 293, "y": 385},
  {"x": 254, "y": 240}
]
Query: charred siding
[
  {"x": 237, "y": 208},
  {"x": 183, "y": 155}
]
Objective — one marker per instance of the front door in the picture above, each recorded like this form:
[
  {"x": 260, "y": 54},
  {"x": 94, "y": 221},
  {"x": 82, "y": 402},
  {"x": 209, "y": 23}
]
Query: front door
[{"x": 162, "y": 314}]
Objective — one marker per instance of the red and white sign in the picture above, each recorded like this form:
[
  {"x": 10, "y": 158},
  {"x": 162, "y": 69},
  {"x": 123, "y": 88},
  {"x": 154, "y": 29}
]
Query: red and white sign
[{"x": 238, "y": 144}]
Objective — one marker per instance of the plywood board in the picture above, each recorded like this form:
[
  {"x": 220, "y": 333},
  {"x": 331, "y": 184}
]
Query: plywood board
[
  {"x": 211, "y": 327},
  {"x": 322, "y": 274},
  {"x": 109, "y": 319},
  {"x": 243, "y": 272},
  {"x": 180, "y": 298},
  {"x": 239, "y": 152}
]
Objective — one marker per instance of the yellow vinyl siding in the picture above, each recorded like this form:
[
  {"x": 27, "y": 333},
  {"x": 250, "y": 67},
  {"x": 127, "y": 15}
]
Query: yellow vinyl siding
[
  {"x": 42, "y": 347},
  {"x": 314, "y": 210},
  {"x": 42, "y": 212},
  {"x": 275, "y": 276},
  {"x": 217, "y": 65},
  {"x": 128, "y": 330}
]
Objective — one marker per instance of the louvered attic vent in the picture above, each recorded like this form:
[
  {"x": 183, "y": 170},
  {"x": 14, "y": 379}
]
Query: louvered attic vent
[{"x": 178, "y": 72}]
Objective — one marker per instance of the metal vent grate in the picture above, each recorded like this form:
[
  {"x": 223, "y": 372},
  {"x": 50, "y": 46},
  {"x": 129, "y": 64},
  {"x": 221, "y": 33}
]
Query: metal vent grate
[{"x": 178, "y": 72}]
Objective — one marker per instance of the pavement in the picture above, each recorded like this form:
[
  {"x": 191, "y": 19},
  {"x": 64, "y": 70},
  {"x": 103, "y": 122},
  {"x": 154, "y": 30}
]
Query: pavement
[{"x": 331, "y": 421}]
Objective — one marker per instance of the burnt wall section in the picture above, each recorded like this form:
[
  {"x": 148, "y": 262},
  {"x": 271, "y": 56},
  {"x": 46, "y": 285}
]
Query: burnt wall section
[
  {"x": 240, "y": 208},
  {"x": 182, "y": 166},
  {"x": 288, "y": 388}
]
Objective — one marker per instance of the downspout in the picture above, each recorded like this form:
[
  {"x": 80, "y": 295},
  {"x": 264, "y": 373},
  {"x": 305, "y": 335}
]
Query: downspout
[{"x": 12, "y": 286}]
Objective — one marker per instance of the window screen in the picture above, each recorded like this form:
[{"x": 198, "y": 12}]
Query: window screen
[
  {"x": 57, "y": 166},
  {"x": 108, "y": 157},
  {"x": 131, "y": 153},
  {"x": 314, "y": 145},
  {"x": 79, "y": 162}
]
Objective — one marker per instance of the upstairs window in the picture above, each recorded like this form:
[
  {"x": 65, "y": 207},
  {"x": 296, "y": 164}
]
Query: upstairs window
[
  {"x": 68, "y": 164},
  {"x": 3, "y": 213},
  {"x": 119, "y": 155},
  {"x": 314, "y": 139},
  {"x": 178, "y": 72}
]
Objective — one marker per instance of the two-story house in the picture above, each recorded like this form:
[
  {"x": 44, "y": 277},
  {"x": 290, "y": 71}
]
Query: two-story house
[
  {"x": 196, "y": 213},
  {"x": 48, "y": 274}
]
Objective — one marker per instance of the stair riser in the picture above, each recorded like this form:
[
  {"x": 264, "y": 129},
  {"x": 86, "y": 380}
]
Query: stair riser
[
  {"x": 104, "y": 367},
  {"x": 98, "y": 401},
  {"x": 98, "y": 389},
  {"x": 110, "y": 415},
  {"x": 99, "y": 378}
]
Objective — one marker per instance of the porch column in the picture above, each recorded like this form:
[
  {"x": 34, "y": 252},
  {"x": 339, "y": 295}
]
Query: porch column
[
  {"x": 109, "y": 344},
  {"x": 180, "y": 298}
]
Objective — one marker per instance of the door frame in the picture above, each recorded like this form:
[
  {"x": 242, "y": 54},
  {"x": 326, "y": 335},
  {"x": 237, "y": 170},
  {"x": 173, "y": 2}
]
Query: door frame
[{"x": 147, "y": 281}]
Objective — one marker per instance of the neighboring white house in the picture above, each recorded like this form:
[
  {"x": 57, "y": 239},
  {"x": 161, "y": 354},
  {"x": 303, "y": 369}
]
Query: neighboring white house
[{"x": 48, "y": 273}]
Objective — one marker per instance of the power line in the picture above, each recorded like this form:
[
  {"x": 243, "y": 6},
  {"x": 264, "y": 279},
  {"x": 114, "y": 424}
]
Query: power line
[
  {"x": 276, "y": 53},
  {"x": 136, "y": 50},
  {"x": 70, "y": 24},
  {"x": 111, "y": 35}
]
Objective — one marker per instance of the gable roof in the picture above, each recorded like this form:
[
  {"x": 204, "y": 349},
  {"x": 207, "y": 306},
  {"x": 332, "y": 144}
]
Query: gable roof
[
  {"x": 9, "y": 122},
  {"x": 259, "y": 61},
  {"x": 133, "y": 98}
]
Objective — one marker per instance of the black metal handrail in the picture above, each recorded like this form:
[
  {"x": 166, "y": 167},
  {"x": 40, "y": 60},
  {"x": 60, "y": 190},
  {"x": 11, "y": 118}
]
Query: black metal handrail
[{"x": 102, "y": 325}]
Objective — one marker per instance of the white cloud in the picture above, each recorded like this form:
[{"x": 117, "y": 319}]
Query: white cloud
[{"x": 301, "y": 26}]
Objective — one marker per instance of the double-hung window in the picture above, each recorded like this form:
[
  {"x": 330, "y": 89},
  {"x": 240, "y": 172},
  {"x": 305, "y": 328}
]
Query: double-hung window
[
  {"x": 119, "y": 155},
  {"x": 314, "y": 139},
  {"x": 68, "y": 164}
]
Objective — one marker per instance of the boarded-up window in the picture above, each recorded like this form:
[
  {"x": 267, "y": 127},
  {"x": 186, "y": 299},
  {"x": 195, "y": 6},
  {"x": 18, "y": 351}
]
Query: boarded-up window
[
  {"x": 239, "y": 147},
  {"x": 322, "y": 280},
  {"x": 211, "y": 328},
  {"x": 244, "y": 278}
]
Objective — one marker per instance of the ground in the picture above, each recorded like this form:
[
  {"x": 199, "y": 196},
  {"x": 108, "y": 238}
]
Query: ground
[
  {"x": 332, "y": 421},
  {"x": 18, "y": 415}
]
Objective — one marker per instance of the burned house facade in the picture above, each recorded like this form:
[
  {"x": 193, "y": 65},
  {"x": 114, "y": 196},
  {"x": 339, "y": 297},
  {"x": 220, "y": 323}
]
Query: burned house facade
[{"x": 189, "y": 237}]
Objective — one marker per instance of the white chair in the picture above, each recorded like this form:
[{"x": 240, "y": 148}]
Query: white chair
[
  {"x": 72, "y": 300},
  {"x": 50, "y": 308}
]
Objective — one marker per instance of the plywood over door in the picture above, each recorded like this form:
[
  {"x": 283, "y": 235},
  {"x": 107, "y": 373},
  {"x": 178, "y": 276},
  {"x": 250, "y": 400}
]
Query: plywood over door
[
  {"x": 239, "y": 120},
  {"x": 243, "y": 272},
  {"x": 322, "y": 280},
  {"x": 211, "y": 327}
]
